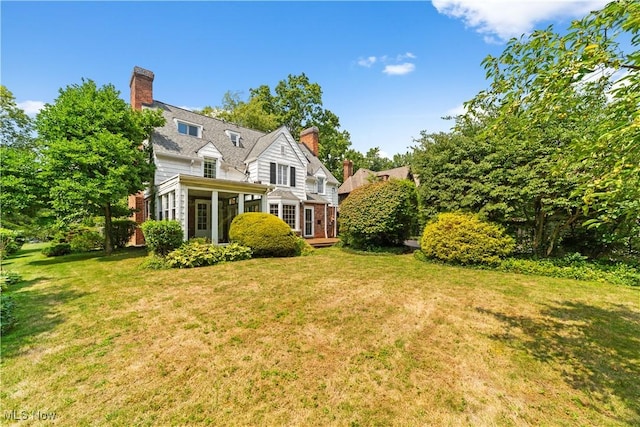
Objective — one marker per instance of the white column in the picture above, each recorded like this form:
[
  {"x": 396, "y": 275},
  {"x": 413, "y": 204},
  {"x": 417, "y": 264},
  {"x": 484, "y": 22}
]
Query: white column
[
  {"x": 181, "y": 210},
  {"x": 240, "y": 203},
  {"x": 264, "y": 204},
  {"x": 214, "y": 217}
]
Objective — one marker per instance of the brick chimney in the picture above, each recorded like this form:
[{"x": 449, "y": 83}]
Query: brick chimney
[
  {"x": 347, "y": 169},
  {"x": 141, "y": 85},
  {"x": 309, "y": 137}
]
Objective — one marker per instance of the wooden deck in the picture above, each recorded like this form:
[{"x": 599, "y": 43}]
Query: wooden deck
[{"x": 322, "y": 243}]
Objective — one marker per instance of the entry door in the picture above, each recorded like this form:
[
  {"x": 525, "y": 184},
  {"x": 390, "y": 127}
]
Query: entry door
[
  {"x": 308, "y": 222},
  {"x": 203, "y": 218}
]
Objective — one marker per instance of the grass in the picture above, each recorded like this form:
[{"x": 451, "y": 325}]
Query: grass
[{"x": 335, "y": 338}]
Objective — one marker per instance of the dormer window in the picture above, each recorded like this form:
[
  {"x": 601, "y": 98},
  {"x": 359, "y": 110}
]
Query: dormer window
[
  {"x": 234, "y": 137},
  {"x": 189, "y": 129}
]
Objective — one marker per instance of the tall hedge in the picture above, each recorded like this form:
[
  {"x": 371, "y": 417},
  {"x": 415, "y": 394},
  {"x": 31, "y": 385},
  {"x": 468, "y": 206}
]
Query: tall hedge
[
  {"x": 463, "y": 238},
  {"x": 266, "y": 234},
  {"x": 379, "y": 214}
]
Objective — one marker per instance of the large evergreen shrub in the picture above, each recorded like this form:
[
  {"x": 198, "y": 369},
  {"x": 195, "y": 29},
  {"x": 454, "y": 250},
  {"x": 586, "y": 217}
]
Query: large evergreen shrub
[
  {"x": 378, "y": 214},
  {"x": 266, "y": 234},
  {"x": 462, "y": 238},
  {"x": 162, "y": 237}
]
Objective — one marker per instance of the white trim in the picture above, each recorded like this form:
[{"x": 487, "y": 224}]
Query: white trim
[{"x": 304, "y": 226}]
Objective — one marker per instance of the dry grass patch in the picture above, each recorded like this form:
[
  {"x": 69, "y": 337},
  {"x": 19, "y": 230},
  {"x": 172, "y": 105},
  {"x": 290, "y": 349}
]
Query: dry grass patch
[{"x": 331, "y": 339}]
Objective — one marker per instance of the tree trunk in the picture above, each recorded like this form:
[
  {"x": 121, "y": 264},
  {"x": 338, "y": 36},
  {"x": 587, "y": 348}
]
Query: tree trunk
[
  {"x": 560, "y": 228},
  {"x": 538, "y": 233},
  {"x": 108, "y": 240}
]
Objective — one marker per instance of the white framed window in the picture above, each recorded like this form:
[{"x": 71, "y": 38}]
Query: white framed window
[
  {"x": 165, "y": 206},
  {"x": 289, "y": 215},
  {"x": 283, "y": 175},
  {"x": 320, "y": 185},
  {"x": 235, "y": 138},
  {"x": 190, "y": 129},
  {"x": 172, "y": 200},
  {"x": 209, "y": 168},
  {"x": 273, "y": 209}
]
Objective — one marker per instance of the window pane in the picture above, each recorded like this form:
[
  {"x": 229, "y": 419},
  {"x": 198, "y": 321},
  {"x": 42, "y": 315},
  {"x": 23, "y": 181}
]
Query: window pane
[
  {"x": 273, "y": 210},
  {"x": 210, "y": 168},
  {"x": 193, "y": 131},
  {"x": 283, "y": 172},
  {"x": 289, "y": 215},
  {"x": 182, "y": 128}
]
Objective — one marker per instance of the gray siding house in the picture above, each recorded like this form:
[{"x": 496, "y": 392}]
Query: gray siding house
[{"x": 208, "y": 171}]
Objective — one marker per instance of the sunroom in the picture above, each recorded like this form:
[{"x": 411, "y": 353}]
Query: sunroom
[{"x": 205, "y": 207}]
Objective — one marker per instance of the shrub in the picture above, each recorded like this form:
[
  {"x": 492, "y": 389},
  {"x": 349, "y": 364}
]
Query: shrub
[
  {"x": 7, "y": 317},
  {"x": 57, "y": 249},
  {"x": 617, "y": 274},
  {"x": 8, "y": 278},
  {"x": 303, "y": 248},
  {"x": 380, "y": 214},
  {"x": 87, "y": 240},
  {"x": 197, "y": 254},
  {"x": 162, "y": 236},
  {"x": 461, "y": 238},
  {"x": 154, "y": 262},
  {"x": 121, "y": 232},
  {"x": 10, "y": 242},
  {"x": 266, "y": 234}
]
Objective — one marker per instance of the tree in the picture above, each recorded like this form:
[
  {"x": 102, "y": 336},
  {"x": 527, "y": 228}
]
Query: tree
[
  {"x": 296, "y": 103},
  {"x": 15, "y": 125},
  {"x": 92, "y": 147},
  {"x": 22, "y": 192},
  {"x": 583, "y": 82}
]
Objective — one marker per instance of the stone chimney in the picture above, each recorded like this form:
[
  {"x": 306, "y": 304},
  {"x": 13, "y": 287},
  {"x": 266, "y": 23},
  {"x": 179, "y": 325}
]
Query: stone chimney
[
  {"x": 141, "y": 85},
  {"x": 309, "y": 137},
  {"x": 347, "y": 169}
]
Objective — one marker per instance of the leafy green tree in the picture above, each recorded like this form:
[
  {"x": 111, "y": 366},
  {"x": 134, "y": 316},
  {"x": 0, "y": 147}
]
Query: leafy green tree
[
  {"x": 15, "y": 125},
  {"x": 295, "y": 102},
  {"x": 93, "y": 153},
  {"x": 22, "y": 192},
  {"x": 580, "y": 92}
]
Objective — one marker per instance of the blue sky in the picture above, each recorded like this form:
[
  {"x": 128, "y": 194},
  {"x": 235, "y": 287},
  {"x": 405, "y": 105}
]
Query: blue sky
[{"x": 388, "y": 69}]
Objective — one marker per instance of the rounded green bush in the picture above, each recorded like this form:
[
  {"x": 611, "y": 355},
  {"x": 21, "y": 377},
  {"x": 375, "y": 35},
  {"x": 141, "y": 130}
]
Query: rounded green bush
[
  {"x": 461, "y": 238},
  {"x": 378, "y": 214},
  {"x": 266, "y": 235},
  {"x": 162, "y": 236}
]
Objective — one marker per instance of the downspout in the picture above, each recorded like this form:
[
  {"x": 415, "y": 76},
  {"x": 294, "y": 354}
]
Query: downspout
[{"x": 325, "y": 221}]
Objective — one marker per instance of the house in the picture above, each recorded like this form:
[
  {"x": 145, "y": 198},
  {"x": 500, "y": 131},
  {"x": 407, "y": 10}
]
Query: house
[
  {"x": 208, "y": 171},
  {"x": 364, "y": 176}
]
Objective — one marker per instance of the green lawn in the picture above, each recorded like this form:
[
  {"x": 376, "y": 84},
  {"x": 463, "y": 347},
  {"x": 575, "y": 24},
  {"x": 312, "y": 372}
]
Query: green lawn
[{"x": 332, "y": 339}]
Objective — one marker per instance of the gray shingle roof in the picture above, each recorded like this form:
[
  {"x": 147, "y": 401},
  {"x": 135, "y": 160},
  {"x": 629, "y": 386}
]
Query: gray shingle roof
[
  {"x": 252, "y": 142},
  {"x": 167, "y": 139},
  {"x": 315, "y": 164},
  {"x": 362, "y": 177}
]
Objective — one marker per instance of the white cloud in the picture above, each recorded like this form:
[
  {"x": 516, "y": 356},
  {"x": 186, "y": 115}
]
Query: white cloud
[
  {"x": 31, "y": 108},
  {"x": 393, "y": 65},
  {"x": 367, "y": 62},
  {"x": 458, "y": 110},
  {"x": 499, "y": 20},
  {"x": 404, "y": 56},
  {"x": 399, "y": 69}
]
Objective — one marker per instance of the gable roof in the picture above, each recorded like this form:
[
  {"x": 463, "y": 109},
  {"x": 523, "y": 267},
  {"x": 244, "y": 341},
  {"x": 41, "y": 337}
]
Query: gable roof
[
  {"x": 167, "y": 140},
  {"x": 315, "y": 164},
  {"x": 361, "y": 177}
]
